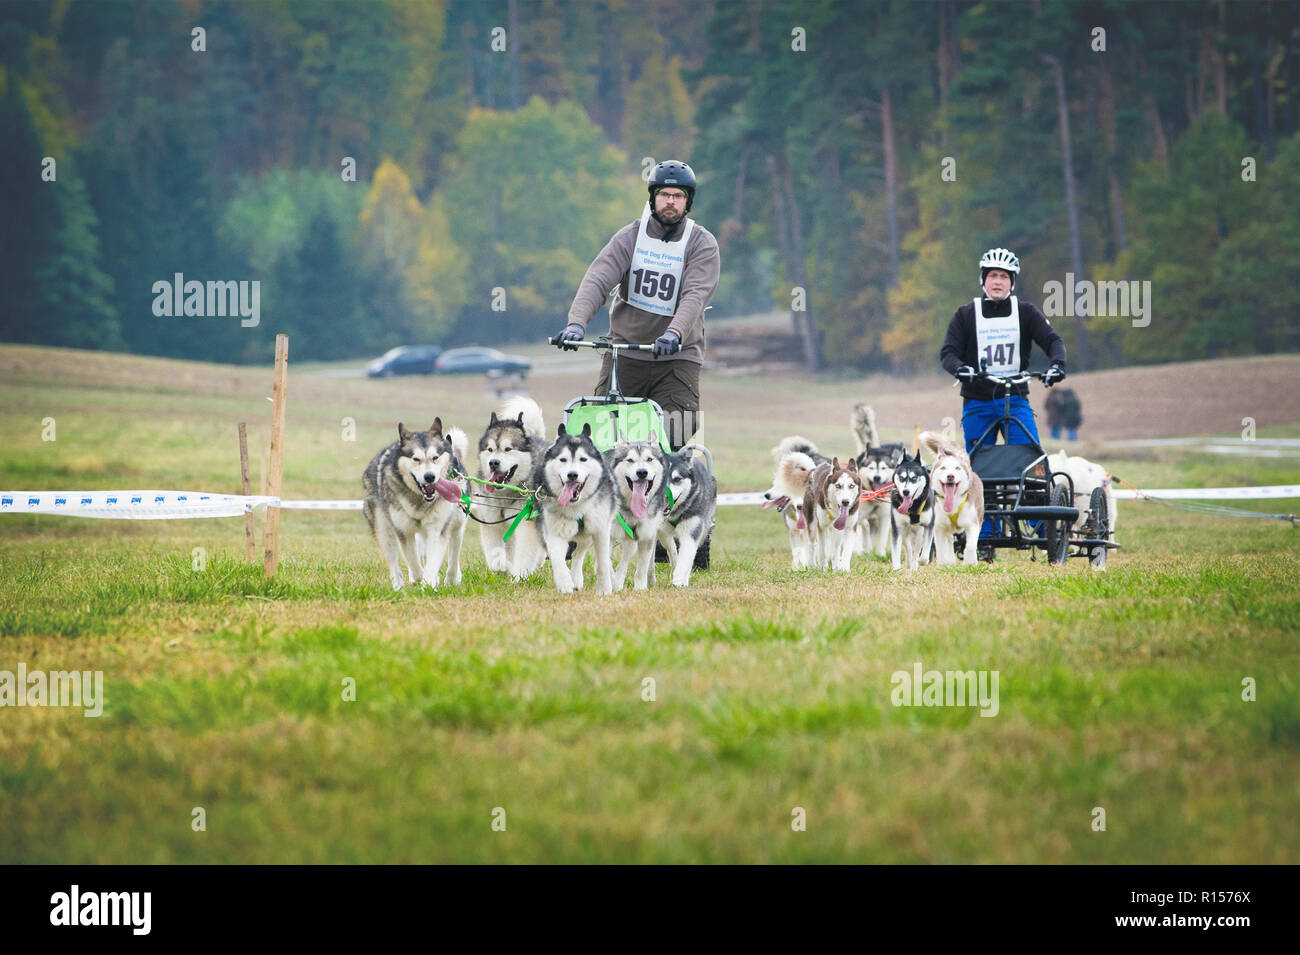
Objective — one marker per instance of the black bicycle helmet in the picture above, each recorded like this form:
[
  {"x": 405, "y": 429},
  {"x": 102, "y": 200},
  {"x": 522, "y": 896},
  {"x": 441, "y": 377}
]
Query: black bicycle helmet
[{"x": 670, "y": 172}]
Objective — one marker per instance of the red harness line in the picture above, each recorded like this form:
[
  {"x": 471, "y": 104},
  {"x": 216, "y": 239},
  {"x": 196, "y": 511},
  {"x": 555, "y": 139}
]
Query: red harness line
[{"x": 876, "y": 495}]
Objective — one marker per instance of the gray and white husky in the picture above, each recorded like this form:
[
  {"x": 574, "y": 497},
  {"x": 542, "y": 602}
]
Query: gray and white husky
[
  {"x": 413, "y": 498},
  {"x": 689, "y": 520},
  {"x": 876, "y": 463},
  {"x": 508, "y": 452},
  {"x": 577, "y": 503},
  {"x": 640, "y": 474},
  {"x": 911, "y": 513}
]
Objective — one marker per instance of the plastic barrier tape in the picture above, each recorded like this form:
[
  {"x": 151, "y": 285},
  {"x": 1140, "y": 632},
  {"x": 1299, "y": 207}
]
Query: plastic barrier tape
[{"x": 169, "y": 505}]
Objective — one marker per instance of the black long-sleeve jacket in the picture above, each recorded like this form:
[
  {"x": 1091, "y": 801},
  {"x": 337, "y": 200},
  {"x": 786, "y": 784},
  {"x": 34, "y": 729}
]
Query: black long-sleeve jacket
[{"x": 960, "y": 346}]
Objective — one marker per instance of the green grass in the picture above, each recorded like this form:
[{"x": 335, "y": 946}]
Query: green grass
[{"x": 225, "y": 690}]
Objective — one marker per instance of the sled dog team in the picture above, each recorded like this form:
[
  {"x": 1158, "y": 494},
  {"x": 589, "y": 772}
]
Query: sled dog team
[
  {"x": 887, "y": 499},
  {"x": 532, "y": 500}
]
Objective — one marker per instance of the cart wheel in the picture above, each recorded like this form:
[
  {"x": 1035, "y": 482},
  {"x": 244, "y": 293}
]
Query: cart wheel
[
  {"x": 1099, "y": 524},
  {"x": 1058, "y": 532}
]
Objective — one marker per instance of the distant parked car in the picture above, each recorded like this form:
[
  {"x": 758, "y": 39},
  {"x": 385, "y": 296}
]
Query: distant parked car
[
  {"x": 464, "y": 361},
  {"x": 405, "y": 360}
]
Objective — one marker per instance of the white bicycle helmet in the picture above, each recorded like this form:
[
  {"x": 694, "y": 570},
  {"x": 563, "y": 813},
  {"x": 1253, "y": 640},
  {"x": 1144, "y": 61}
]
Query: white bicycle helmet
[{"x": 1003, "y": 259}]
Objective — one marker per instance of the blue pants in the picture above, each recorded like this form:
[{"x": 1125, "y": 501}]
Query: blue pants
[{"x": 977, "y": 415}]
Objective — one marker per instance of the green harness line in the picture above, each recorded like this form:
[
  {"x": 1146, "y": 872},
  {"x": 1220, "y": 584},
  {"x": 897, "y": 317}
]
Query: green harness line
[
  {"x": 525, "y": 513},
  {"x": 528, "y": 511},
  {"x": 667, "y": 493}
]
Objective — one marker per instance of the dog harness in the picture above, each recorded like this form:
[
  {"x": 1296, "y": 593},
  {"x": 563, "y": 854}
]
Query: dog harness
[{"x": 957, "y": 513}]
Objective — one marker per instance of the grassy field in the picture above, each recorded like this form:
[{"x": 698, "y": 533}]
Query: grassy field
[{"x": 224, "y": 690}]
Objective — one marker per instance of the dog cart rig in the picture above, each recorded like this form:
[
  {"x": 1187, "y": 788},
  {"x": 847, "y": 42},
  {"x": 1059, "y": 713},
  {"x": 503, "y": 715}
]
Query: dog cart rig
[
  {"x": 617, "y": 417},
  {"x": 1031, "y": 505}
]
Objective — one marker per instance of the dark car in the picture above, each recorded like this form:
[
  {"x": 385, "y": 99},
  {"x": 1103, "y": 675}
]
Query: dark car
[
  {"x": 405, "y": 360},
  {"x": 464, "y": 361}
]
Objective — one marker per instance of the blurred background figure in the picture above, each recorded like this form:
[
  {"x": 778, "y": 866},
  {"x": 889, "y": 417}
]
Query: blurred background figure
[{"x": 1064, "y": 411}]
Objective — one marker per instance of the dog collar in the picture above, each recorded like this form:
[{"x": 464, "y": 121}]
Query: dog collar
[{"x": 625, "y": 526}]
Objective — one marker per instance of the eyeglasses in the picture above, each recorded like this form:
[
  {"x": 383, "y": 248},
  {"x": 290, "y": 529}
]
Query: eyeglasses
[{"x": 676, "y": 196}]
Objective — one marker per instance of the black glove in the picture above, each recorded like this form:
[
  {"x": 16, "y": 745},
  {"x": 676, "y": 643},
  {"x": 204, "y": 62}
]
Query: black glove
[
  {"x": 966, "y": 373},
  {"x": 573, "y": 332},
  {"x": 667, "y": 343},
  {"x": 1054, "y": 375}
]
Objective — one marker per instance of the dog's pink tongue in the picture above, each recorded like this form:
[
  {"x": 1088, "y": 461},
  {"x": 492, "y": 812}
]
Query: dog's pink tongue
[
  {"x": 779, "y": 502},
  {"x": 567, "y": 492},
  {"x": 949, "y": 496},
  {"x": 447, "y": 489},
  {"x": 639, "y": 503},
  {"x": 800, "y": 522},
  {"x": 843, "y": 518},
  {"x": 906, "y": 506}
]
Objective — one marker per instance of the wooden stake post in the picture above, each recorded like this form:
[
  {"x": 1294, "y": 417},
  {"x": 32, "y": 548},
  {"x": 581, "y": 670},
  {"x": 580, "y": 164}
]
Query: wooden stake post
[
  {"x": 243, "y": 477},
  {"x": 272, "y": 552}
]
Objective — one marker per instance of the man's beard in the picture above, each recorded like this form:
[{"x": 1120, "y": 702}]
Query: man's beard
[{"x": 668, "y": 219}]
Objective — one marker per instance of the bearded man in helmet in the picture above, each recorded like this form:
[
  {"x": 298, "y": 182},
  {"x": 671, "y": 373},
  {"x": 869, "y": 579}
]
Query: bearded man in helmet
[
  {"x": 666, "y": 268},
  {"x": 1000, "y": 330}
]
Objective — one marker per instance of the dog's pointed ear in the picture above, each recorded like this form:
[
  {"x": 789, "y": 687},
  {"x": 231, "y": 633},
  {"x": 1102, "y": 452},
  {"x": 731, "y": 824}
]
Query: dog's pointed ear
[
  {"x": 835, "y": 463},
  {"x": 436, "y": 429},
  {"x": 521, "y": 419},
  {"x": 560, "y": 432},
  {"x": 586, "y": 430},
  {"x": 402, "y": 434},
  {"x": 493, "y": 420}
]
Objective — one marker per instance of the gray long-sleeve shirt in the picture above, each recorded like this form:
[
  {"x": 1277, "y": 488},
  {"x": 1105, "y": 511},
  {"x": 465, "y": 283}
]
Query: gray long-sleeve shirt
[{"x": 630, "y": 324}]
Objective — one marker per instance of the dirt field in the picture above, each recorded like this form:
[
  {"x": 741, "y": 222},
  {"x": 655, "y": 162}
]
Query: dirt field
[{"x": 1176, "y": 400}]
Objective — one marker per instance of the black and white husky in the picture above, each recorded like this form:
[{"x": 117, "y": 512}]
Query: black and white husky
[
  {"x": 876, "y": 463},
  {"x": 577, "y": 503},
  {"x": 414, "y": 490},
  {"x": 911, "y": 513},
  {"x": 640, "y": 475},
  {"x": 508, "y": 453},
  {"x": 689, "y": 520}
]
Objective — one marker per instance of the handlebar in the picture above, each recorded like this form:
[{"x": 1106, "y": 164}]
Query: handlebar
[
  {"x": 1016, "y": 379},
  {"x": 1007, "y": 380},
  {"x": 613, "y": 346}
]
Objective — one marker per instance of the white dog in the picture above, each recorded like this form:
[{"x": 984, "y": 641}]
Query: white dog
[
  {"x": 786, "y": 495},
  {"x": 1087, "y": 477},
  {"x": 959, "y": 497}
]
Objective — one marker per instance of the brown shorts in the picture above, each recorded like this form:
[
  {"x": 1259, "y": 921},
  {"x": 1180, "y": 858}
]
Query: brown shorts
[{"x": 675, "y": 385}]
